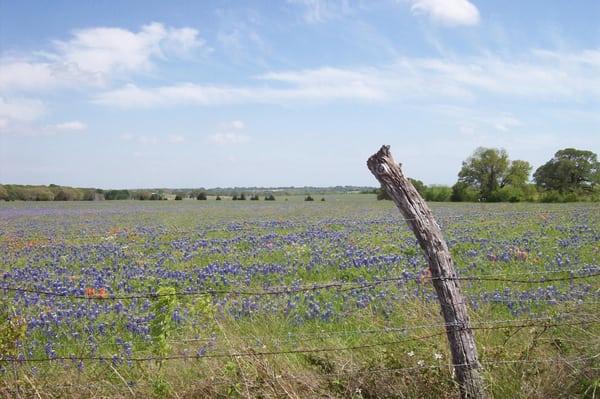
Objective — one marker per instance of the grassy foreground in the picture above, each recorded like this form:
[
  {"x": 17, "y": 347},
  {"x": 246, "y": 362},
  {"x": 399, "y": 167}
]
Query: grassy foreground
[{"x": 376, "y": 333}]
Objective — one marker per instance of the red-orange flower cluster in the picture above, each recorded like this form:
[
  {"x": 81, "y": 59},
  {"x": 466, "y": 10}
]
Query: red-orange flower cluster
[{"x": 96, "y": 293}]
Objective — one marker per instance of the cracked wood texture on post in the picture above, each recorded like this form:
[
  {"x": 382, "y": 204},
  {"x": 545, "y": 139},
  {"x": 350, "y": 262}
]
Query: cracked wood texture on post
[{"x": 420, "y": 219}]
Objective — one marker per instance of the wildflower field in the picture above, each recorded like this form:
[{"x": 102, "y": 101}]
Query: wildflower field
[{"x": 289, "y": 298}]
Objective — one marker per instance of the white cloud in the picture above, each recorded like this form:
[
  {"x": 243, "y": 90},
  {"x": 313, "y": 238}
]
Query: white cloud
[
  {"x": 323, "y": 84},
  {"x": 235, "y": 124},
  {"x": 104, "y": 50},
  {"x": 91, "y": 57},
  {"x": 132, "y": 96},
  {"x": 19, "y": 117},
  {"x": 71, "y": 126},
  {"x": 148, "y": 140},
  {"x": 21, "y": 109},
  {"x": 447, "y": 12},
  {"x": 542, "y": 75},
  {"x": 228, "y": 138},
  {"x": 21, "y": 74},
  {"x": 316, "y": 11},
  {"x": 175, "y": 138}
]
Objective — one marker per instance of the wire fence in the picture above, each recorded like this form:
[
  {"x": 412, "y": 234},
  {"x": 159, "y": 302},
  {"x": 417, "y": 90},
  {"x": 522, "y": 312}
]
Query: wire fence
[
  {"x": 339, "y": 285},
  {"x": 503, "y": 324},
  {"x": 583, "y": 320}
]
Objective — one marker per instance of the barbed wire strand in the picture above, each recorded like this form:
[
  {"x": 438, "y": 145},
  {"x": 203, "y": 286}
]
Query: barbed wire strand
[
  {"x": 285, "y": 352},
  {"x": 342, "y": 286},
  {"x": 329, "y": 334},
  {"x": 483, "y": 362}
]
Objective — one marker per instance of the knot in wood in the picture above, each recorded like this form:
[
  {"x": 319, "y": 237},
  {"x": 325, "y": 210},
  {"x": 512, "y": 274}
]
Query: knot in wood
[{"x": 381, "y": 168}]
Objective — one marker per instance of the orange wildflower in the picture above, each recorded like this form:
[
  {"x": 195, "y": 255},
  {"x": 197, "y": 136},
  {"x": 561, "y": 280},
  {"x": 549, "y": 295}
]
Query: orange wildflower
[
  {"x": 101, "y": 293},
  {"x": 90, "y": 292}
]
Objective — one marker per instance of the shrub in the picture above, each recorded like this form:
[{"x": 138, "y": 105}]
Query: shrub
[
  {"x": 438, "y": 193},
  {"x": 463, "y": 192},
  {"x": 309, "y": 198},
  {"x": 3, "y": 193},
  {"x": 43, "y": 194},
  {"x": 218, "y": 198},
  {"x": 551, "y": 196},
  {"x": 117, "y": 195},
  {"x": 68, "y": 194},
  {"x": 201, "y": 197},
  {"x": 88, "y": 195},
  {"x": 270, "y": 197},
  {"x": 507, "y": 194},
  {"x": 323, "y": 199},
  {"x": 178, "y": 198},
  {"x": 254, "y": 197},
  {"x": 142, "y": 196},
  {"x": 571, "y": 197}
]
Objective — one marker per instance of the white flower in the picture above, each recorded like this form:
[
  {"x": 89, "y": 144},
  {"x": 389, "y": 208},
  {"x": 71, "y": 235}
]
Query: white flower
[
  {"x": 437, "y": 356},
  {"x": 421, "y": 363},
  {"x": 411, "y": 354}
]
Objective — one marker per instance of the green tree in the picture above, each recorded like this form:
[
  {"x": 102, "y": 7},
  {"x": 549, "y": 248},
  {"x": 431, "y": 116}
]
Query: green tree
[
  {"x": 117, "y": 195},
  {"x": 517, "y": 174},
  {"x": 492, "y": 175},
  {"x": 485, "y": 170},
  {"x": 3, "y": 193},
  {"x": 570, "y": 170}
]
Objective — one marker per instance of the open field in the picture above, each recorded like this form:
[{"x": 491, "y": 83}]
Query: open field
[{"x": 314, "y": 299}]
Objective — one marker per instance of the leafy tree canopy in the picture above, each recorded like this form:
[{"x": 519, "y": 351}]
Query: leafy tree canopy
[
  {"x": 489, "y": 169},
  {"x": 569, "y": 170}
]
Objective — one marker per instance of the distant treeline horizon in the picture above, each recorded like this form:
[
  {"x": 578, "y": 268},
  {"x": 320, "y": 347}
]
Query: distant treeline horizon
[
  {"x": 53, "y": 192},
  {"x": 488, "y": 175}
]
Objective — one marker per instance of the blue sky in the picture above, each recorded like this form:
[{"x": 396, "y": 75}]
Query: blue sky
[{"x": 241, "y": 93}]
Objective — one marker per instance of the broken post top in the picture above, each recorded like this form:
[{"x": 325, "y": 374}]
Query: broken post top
[{"x": 380, "y": 162}]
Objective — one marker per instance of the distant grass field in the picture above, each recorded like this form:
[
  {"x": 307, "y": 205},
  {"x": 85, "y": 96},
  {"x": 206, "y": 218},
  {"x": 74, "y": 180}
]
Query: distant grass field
[{"x": 374, "y": 333}]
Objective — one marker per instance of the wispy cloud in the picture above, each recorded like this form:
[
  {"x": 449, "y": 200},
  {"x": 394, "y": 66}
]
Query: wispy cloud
[
  {"x": 175, "y": 139},
  {"x": 21, "y": 109},
  {"x": 228, "y": 138},
  {"x": 73, "y": 126},
  {"x": 20, "y": 118},
  {"x": 151, "y": 140},
  {"x": 546, "y": 76},
  {"x": 93, "y": 56},
  {"x": 316, "y": 11},
  {"x": 447, "y": 12},
  {"x": 235, "y": 124},
  {"x": 231, "y": 133}
]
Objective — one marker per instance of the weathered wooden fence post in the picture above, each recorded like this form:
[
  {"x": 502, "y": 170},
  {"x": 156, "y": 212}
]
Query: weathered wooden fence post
[{"x": 420, "y": 218}]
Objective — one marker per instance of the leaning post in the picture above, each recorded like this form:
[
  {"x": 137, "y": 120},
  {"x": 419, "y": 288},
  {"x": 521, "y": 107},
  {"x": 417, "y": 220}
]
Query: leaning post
[{"x": 443, "y": 275}]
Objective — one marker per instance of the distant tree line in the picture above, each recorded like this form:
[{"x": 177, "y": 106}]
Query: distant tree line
[
  {"x": 53, "y": 192},
  {"x": 488, "y": 175}
]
